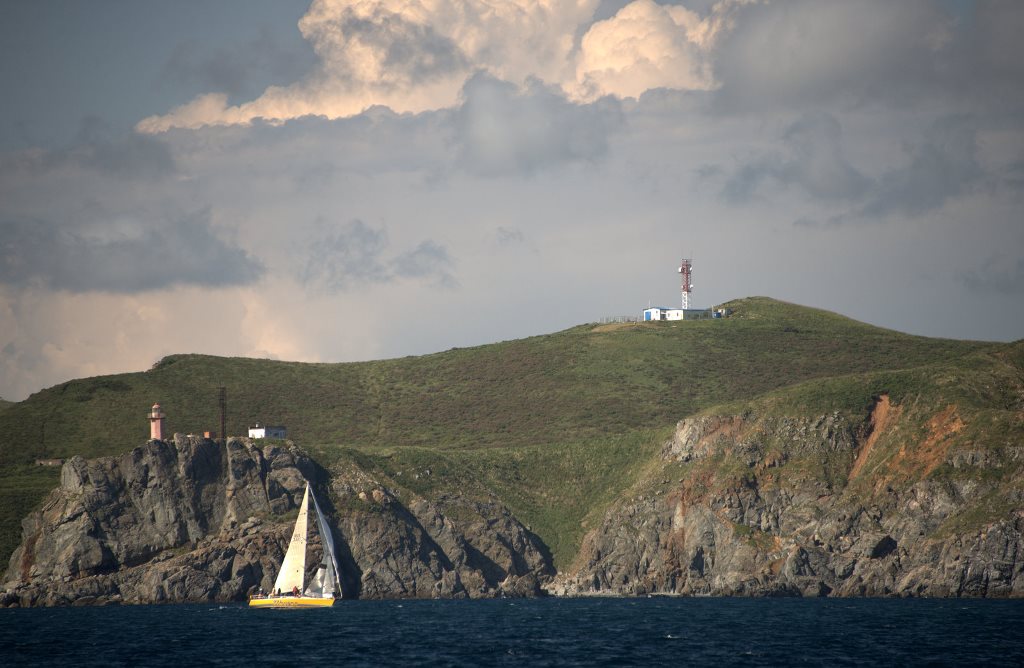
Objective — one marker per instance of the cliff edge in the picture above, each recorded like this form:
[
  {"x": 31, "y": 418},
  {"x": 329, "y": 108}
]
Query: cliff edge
[
  {"x": 768, "y": 505},
  {"x": 193, "y": 520}
]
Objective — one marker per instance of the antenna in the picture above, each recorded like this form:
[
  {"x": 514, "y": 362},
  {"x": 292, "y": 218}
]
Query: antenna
[{"x": 685, "y": 271}]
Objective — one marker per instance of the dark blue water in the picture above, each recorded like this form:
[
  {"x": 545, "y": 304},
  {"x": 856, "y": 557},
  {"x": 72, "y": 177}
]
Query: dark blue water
[{"x": 544, "y": 632}]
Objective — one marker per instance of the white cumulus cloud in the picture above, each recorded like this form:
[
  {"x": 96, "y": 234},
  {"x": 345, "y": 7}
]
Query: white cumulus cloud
[
  {"x": 644, "y": 46},
  {"x": 416, "y": 55}
]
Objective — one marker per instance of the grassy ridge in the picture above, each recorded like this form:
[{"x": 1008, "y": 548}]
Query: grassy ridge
[
  {"x": 570, "y": 386},
  {"x": 554, "y": 425}
]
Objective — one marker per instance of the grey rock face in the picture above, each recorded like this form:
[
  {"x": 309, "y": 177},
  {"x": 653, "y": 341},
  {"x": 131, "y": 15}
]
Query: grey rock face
[
  {"x": 735, "y": 526},
  {"x": 409, "y": 546},
  {"x": 160, "y": 523},
  {"x": 192, "y": 520}
]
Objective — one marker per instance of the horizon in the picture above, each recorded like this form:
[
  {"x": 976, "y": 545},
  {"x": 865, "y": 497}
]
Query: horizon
[{"x": 332, "y": 181}]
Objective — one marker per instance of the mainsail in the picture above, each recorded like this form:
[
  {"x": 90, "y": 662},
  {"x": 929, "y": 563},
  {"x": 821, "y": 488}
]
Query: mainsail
[
  {"x": 293, "y": 568},
  {"x": 324, "y": 586},
  {"x": 325, "y": 582}
]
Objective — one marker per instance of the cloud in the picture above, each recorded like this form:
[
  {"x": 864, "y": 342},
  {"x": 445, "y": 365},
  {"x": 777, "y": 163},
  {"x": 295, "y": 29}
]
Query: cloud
[
  {"x": 353, "y": 255},
  {"x": 233, "y": 68},
  {"x": 121, "y": 259},
  {"x": 645, "y": 46},
  {"x": 126, "y": 156},
  {"x": 500, "y": 129},
  {"x": 408, "y": 55},
  {"x": 941, "y": 167},
  {"x": 997, "y": 276},
  {"x": 811, "y": 52},
  {"x": 428, "y": 260},
  {"x": 416, "y": 55},
  {"x": 348, "y": 256},
  {"x": 509, "y": 236},
  {"x": 813, "y": 161}
]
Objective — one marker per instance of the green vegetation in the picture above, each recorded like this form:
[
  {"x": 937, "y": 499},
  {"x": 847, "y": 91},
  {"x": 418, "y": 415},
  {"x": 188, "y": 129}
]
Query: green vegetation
[
  {"x": 556, "y": 426},
  {"x": 21, "y": 488}
]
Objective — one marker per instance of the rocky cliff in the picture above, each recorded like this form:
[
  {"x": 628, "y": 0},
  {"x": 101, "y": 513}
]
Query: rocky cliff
[
  {"x": 906, "y": 499},
  {"x": 748, "y": 505},
  {"x": 194, "y": 520}
]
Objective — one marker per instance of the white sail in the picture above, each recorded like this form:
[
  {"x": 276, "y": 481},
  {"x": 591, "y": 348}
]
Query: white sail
[
  {"x": 293, "y": 568},
  {"x": 325, "y": 583}
]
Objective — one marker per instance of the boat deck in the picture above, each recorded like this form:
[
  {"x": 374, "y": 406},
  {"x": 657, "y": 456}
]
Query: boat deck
[{"x": 290, "y": 602}]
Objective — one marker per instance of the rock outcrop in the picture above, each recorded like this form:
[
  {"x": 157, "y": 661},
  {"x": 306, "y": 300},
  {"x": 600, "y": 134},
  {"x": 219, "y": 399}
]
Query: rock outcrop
[
  {"x": 183, "y": 520},
  {"x": 789, "y": 506},
  {"x": 902, "y": 501},
  {"x": 194, "y": 520},
  {"x": 403, "y": 545}
]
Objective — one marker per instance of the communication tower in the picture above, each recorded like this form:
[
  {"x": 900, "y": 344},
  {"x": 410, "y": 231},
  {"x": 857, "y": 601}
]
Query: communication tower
[{"x": 685, "y": 270}]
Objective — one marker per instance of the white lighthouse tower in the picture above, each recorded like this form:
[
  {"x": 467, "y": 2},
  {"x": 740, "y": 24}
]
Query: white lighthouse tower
[{"x": 156, "y": 423}]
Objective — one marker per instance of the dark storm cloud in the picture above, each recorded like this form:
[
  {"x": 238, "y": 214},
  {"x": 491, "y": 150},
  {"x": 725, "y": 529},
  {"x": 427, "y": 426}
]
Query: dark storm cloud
[
  {"x": 241, "y": 69},
  {"x": 942, "y": 166},
  {"x": 124, "y": 156},
  {"x": 797, "y": 54},
  {"x": 428, "y": 260},
  {"x": 412, "y": 48},
  {"x": 500, "y": 130},
  {"x": 348, "y": 256},
  {"x": 152, "y": 257},
  {"x": 813, "y": 160},
  {"x": 355, "y": 254},
  {"x": 991, "y": 278},
  {"x": 1014, "y": 175}
]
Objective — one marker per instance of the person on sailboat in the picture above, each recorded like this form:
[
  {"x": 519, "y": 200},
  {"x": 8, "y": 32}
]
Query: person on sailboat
[{"x": 295, "y": 591}]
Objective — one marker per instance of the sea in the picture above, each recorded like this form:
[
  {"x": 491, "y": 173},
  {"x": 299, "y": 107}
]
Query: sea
[{"x": 533, "y": 632}]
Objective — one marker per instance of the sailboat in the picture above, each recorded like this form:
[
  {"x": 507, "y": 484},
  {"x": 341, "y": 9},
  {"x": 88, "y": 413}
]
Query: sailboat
[{"x": 290, "y": 589}]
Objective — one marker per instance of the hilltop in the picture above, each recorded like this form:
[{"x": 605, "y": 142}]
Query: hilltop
[
  {"x": 568, "y": 430},
  {"x": 585, "y": 382}
]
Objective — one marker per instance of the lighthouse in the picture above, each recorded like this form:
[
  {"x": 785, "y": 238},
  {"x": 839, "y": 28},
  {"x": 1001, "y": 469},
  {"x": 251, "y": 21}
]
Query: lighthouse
[{"x": 156, "y": 423}]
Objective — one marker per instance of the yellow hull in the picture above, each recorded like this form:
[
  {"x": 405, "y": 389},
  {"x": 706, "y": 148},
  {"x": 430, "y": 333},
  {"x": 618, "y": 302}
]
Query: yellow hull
[{"x": 290, "y": 602}]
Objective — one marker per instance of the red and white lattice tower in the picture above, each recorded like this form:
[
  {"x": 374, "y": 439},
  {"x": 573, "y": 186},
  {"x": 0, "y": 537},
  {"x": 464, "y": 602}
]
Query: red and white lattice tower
[{"x": 685, "y": 270}]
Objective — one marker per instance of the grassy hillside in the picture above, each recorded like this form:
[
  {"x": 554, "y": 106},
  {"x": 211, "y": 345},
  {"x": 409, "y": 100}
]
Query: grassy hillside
[{"x": 555, "y": 425}]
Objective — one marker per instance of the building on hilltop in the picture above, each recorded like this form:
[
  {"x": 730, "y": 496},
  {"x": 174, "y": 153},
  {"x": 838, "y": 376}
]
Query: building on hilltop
[
  {"x": 654, "y": 313},
  {"x": 266, "y": 431}
]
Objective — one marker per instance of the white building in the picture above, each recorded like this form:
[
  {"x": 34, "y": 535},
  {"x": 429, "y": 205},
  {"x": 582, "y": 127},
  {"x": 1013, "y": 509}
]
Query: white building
[
  {"x": 266, "y": 431},
  {"x": 663, "y": 313},
  {"x": 655, "y": 313}
]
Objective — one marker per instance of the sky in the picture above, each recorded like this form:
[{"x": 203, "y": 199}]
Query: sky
[{"x": 344, "y": 180}]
